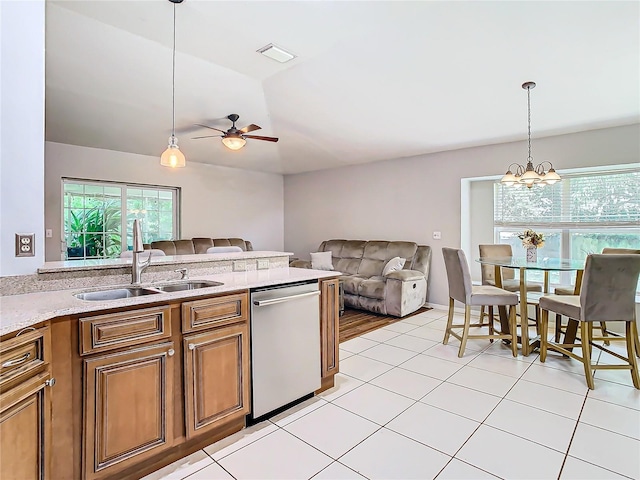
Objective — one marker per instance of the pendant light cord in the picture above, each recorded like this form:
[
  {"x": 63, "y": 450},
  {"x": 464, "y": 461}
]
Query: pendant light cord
[
  {"x": 173, "y": 79},
  {"x": 528, "y": 117}
]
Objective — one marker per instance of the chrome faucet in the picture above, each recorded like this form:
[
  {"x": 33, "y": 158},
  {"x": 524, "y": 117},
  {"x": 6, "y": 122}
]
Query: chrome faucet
[
  {"x": 184, "y": 273},
  {"x": 138, "y": 267}
]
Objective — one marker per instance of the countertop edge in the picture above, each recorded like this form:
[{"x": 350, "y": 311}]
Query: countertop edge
[{"x": 22, "y": 311}]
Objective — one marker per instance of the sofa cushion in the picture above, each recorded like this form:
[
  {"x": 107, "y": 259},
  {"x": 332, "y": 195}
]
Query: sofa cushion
[
  {"x": 348, "y": 266},
  {"x": 167, "y": 246},
  {"x": 393, "y": 265},
  {"x": 184, "y": 247},
  {"x": 352, "y": 283},
  {"x": 200, "y": 245},
  {"x": 347, "y": 254},
  {"x": 373, "y": 288},
  {"x": 321, "y": 261}
]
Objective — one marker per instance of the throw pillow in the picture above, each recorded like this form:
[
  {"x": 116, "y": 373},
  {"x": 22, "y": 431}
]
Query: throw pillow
[
  {"x": 321, "y": 261},
  {"x": 393, "y": 265}
]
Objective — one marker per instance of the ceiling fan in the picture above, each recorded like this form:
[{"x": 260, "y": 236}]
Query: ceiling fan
[{"x": 234, "y": 138}]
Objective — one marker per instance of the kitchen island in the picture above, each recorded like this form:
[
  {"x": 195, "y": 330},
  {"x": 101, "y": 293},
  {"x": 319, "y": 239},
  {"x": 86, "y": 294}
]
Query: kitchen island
[{"x": 120, "y": 388}]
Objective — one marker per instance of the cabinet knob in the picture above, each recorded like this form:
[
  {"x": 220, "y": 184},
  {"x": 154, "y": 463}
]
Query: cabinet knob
[
  {"x": 50, "y": 383},
  {"x": 192, "y": 346},
  {"x": 171, "y": 352}
]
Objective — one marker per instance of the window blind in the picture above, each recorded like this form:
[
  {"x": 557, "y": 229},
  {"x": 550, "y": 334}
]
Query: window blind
[{"x": 579, "y": 200}]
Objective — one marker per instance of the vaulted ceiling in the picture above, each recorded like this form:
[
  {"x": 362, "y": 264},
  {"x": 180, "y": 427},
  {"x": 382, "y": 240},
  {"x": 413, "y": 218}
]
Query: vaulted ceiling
[{"x": 371, "y": 81}]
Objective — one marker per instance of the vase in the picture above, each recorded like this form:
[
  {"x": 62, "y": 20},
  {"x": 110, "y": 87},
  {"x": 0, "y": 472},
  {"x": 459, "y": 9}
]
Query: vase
[{"x": 532, "y": 254}]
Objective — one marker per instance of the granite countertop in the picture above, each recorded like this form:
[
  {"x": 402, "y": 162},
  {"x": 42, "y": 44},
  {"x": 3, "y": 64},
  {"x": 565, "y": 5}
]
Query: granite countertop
[{"x": 21, "y": 311}]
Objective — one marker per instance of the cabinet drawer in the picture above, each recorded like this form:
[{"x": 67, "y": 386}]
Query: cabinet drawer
[
  {"x": 215, "y": 312},
  {"x": 116, "y": 330},
  {"x": 24, "y": 356}
]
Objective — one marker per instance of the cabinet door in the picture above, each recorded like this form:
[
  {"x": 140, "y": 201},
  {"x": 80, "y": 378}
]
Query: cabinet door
[
  {"x": 128, "y": 408},
  {"x": 216, "y": 377},
  {"x": 25, "y": 429},
  {"x": 329, "y": 327}
]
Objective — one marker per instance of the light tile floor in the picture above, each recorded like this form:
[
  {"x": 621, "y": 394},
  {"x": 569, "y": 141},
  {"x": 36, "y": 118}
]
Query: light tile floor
[{"x": 405, "y": 406}]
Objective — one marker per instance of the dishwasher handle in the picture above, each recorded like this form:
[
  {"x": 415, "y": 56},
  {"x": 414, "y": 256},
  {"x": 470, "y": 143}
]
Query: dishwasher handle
[{"x": 273, "y": 301}]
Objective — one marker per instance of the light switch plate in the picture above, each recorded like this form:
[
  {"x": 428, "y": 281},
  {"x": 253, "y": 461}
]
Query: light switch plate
[
  {"x": 25, "y": 244},
  {"x": 239, "y": 265}
]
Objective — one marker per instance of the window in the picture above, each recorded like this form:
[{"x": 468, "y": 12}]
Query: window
[
  {"x": 94, "y": 215},
  {"x": 580, "y": 215}
]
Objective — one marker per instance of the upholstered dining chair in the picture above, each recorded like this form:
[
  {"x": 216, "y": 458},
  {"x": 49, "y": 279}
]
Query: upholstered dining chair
[
  {"x": 607, "y": 294},
  {"x": 570, "y": 290},
  {"x": 462, "y": 290},
  {"x": 508, "y": 275}
]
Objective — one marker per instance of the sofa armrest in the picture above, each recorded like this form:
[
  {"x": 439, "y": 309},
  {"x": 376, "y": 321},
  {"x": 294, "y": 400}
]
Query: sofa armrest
[
  {"x": 405, "y": 275},
  {"x": 300, "y": 264}
]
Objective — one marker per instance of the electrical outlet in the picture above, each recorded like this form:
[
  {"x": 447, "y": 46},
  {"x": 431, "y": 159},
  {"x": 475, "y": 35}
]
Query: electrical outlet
[
  {"x": 239, "y": 265},
  {"x": 25, "y": 244},
  {"x": 437, "y": 235},
  {"x": 263, "y": 263}
]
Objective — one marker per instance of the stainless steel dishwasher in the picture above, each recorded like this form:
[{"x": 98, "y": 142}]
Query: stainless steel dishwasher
[{"x": 285, "y": 346}]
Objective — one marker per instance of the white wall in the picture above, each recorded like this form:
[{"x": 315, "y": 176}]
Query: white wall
[
  {"x": 480, "y": 222},
  {"x": 409, "y": 198},
  {"x": 216, "y": 201},
  {"x": 21, "y": 131}
]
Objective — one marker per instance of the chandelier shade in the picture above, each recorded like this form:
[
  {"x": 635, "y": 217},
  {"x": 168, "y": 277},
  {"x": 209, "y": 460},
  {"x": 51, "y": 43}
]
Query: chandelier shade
[{"x": 530, "y": 175}]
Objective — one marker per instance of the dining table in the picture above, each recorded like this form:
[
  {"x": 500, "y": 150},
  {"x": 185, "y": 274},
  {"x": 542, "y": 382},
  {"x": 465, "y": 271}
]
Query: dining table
[{"x": 545, "y": 264}]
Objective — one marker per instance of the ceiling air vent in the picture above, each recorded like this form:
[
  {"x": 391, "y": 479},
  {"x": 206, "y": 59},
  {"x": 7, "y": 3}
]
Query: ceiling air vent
[{"x": 276, "y": 53}]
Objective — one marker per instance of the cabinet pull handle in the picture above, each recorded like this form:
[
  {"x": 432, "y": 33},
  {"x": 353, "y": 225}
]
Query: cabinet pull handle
[
  {"x": 50, "y": 383},
  {"x": 25, "y": 330},
  {"x": 171, "y": 352},
  {"x": 192, "y": 346},
  {"x": 16, "y": 361}
]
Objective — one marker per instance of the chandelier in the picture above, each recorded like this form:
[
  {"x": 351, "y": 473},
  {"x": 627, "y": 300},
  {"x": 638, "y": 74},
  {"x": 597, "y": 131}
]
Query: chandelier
[
  {"x": 172, "y": 156},
  {"x": 530, "y": 175}
]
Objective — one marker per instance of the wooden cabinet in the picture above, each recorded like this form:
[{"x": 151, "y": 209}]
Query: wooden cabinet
[
  {"x": 138, "y": 387},
  {"x": 25, "y": 406},
  {"x": 329, "y": 327},
  {"x": 128, "y": 408},
  {"x": 116, "y": 330},
  {"x": 216, "y": 377},
  {"x": 215, "y": 312}
]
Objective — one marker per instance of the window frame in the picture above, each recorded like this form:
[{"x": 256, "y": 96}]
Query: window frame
[
  {"x": 567, "y": 226},
  {"x": 124, "y": 211}
]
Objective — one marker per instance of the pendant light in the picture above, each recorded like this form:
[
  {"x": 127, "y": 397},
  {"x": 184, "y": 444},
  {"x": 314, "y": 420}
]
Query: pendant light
[
  {"x": 530, "y": 175},
  {"x": 172, "y": 156}
]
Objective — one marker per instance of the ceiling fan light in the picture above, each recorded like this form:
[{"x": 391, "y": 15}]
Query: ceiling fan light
[{"x": 234, "y": 142}]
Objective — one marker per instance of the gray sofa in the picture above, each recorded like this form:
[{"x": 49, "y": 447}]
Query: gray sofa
[
  {"x": 198, "y": 245},
  {"x": 361, "y": 263}
]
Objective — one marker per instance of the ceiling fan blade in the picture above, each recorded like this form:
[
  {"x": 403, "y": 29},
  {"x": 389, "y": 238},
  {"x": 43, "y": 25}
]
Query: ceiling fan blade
[
  {"x": 250, "y": 128},
  {"x": 206, "y": 136},
  {"x": 258, "y": 137},
  {"x": 212, "y": 128}
]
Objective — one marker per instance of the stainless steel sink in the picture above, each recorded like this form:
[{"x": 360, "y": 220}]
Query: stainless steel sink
[
  {"x": 188, "y": 285},
  {"x": 115, "y": 294},
  {"x": 128, "y": 292}
]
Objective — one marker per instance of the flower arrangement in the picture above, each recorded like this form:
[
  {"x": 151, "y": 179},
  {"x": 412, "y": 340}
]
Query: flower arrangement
[{"x": 531, "y": 239}]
